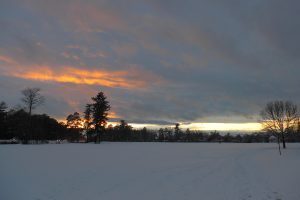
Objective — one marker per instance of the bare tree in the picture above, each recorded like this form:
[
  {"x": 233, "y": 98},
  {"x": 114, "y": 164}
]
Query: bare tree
[
  {"x": 74, "y": 121},
  {"x": 32, "y": 98},
  {"x": 279, "y": 118}
]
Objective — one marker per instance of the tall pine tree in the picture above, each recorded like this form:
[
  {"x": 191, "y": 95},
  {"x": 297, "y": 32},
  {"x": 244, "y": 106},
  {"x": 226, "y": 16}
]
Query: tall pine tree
[
  {"x": 100, "y": 108},
  {"x": 88, "y": 121}
]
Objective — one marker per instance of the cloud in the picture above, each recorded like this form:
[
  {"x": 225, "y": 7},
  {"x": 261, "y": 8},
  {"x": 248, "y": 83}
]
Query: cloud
[
  {"x": 129, "y": 79},
  {"x": 7, "y": 60},
  {"x": 80, "y": 16},
  {"x": 125, "y": 50},
  {"x": 164, "y": 61}
]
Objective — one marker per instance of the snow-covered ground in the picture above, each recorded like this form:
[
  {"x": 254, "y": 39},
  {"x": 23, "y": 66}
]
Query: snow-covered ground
[{"x": 154, "y": 171}]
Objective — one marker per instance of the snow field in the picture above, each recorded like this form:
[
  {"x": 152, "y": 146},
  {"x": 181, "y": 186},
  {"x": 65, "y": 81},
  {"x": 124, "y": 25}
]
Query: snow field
[{"x": 148, "y": 171}]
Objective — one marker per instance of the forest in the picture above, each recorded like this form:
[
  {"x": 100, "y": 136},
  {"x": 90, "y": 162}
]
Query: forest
[{"x": 20, "y": 125}]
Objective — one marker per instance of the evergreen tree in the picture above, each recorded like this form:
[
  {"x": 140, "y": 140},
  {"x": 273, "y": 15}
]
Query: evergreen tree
[
  {"x": 161, "y": 135},
  {"x": 188, "y": 135},
  {"x": 124, "y": 130},
  {"x": 100, "y": 108},
  {"x": 145, "y": 134},
  {"x": 177, "y": 131},
  {"x": 88, "y": 120}
]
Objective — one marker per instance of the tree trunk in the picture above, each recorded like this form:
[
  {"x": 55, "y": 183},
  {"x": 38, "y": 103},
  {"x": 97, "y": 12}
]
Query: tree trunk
[
  {"x": 98, "y": 137},
  {"x": 30, "y": 108},
  {"x": 278, "y": 140},
  {"x": 283, "y": 140}
]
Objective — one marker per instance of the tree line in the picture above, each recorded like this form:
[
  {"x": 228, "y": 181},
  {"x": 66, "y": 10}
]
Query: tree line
[
  {"x": 280, "y": 121},
  {"x": 21, "y": 124}
]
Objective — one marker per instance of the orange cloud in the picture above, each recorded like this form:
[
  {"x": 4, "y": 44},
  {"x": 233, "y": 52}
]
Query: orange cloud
[
  {"x": 112, "y": 114},
  {"x": 7, "y": 60},
  {"x": 132, "y": 78},
  {"x": 90, "y": 18},
  {"x": 68, "y": 74}
]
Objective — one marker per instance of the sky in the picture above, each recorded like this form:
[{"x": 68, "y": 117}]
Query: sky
[{"x": 207, "y": 64}]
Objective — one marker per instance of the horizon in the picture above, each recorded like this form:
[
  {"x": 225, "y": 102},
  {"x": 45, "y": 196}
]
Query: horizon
[{"x": 220, "y": 127}]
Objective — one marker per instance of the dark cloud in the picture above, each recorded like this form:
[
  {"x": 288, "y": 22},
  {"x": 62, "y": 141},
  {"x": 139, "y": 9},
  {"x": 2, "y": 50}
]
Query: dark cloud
[{"x": 203, "y": 60}]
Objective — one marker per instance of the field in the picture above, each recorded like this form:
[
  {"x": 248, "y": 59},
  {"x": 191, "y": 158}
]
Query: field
[{"x": 149, "y": 171}]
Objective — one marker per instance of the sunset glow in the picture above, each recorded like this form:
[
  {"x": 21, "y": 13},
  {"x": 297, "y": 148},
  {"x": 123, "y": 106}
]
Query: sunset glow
[
  {"x": 210, "y": 65},
  {"x": 225, "y": 126},
  {"x": 79, "y": 76},
  {"x": 248, "y": 127},
  {"x": 149, "y": 99}
]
